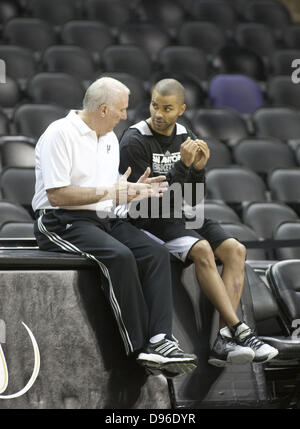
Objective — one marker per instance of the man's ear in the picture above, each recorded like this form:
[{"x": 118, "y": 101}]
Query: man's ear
[
  {"x": 182, "y": 109},
  {"x": 103, "y": 110}
]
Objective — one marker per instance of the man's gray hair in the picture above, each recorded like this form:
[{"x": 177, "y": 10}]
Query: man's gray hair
[{"x": 105, "y": 90}]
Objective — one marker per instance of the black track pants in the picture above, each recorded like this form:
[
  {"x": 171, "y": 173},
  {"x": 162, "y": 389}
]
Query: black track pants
[{"x": 135, "y": 269}]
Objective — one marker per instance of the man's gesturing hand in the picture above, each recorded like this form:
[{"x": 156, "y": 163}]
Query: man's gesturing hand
[{"x": 158, "y": 183}]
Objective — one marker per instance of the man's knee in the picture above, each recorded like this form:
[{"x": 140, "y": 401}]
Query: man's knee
[
  {"x": 201, "y": 253},
  {"x": 231, "y": 250}
]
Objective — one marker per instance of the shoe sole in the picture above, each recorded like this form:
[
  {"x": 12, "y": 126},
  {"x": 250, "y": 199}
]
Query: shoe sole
[
  {"x": 270, "y": 356},
  {"x": 169, "y": 369},
  {"x": 233, "y": 358}
]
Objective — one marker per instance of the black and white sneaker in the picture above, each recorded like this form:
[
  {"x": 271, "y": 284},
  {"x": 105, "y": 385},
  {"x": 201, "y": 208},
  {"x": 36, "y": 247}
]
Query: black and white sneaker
[
  {"x": 226, "y": 351},
  {"x": 166, "y": 357},
  {"x": 246, "y": 337}
]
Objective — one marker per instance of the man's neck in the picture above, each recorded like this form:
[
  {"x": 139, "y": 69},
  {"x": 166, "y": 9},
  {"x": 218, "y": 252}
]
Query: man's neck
[{"x": 91, "y": 122}]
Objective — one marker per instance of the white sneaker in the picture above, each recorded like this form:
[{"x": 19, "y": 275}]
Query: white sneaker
[
  {"x": 226, "y": 351},
  {"x": 246, "y": 337}
]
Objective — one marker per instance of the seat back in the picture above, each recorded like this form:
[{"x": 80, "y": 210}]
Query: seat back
[
  {"x": 17, "y": 154},
  {"x": 206, "y": 36},
  {"x": 20, "y": 62},
  {"x": 17, "y": 230},
  {"x": 282, "y": 123},
  {"x": 287, "y": 231},
  {"x": 284, "y": 184},
  {"x": 216, "y": 11},
  {"x": 115, "y": 13},
  {"x": 56, "y": 12},
  {"x": 17, "y": 185},
  {"x": 281, "y": 91},
  {"x": 226, "y": 125},
  {"x": 13, "y": 212},
  {"x": 32, "y": 119},
  {"x": 235, "y": 91},
  {"x": 281, "y": 60},
  {"x": 220, "y": 212},
  {"x": 264, "y": 217},
  {"x": 235, "y": 185},
  {"x": 257, "y": 37},
  {"x": 284, "y": 278},
  {"x": 61, "y": 89}
]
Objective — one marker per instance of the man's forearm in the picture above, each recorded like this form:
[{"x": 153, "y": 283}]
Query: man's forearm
[{"x": 79, "y": 195}]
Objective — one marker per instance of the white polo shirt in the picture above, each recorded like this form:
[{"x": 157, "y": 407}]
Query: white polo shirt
[{"x": 69, "y": 153}]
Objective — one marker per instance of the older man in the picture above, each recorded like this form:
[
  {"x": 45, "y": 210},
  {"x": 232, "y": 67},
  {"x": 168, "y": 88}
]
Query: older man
[{"x": 77, "y": 188}]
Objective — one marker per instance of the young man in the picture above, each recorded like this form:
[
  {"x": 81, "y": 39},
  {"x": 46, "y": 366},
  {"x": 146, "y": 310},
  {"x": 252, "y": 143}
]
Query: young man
[
  {"x": 77, "y": 188},
  {"x": 162, "y": 144}
]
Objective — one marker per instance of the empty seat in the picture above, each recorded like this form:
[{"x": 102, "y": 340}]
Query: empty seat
[
  {"x": 115, "y": 13},
  {"x": 220, "y": 155},
  {"x": 93, "y": 36},
  {"x": 257, "y": 37},
  {"x": 281, "y": 61},
  {"x": 17, "y": 154},
  {"x": 235, "y": 185},
  {"x": 56, "y": 88},
  {"x": 183, "y": 59},
  {"x": 20, "y": 62},
  {"x": 148, "y": 36},
  {"x": 263, "y": 155},
  {"x": 10, "y": 93},
  {"x": 282, "y": 123},
  {"x": 235, "y": 59},
  {"x": 283, "y": 278},
  {"x": 31, "y": 120},
  {"x": 273, "y": 14},
  {"x": 245, "y": 234},
  {"x": 216, "y": 11},
  {"x": 127, "y": 59},
  {"x": 12, "y": 212},
  {"x": 284, "y": 185},
  {"x": 73, "y": 60},
  {"x": 287, "y": 231},
  {"x": 264, "y": 217},
  {"x": 165, "y": 13},
  {"x": 291, "y": 36},
  {"x": 235, "y": 91},
  {"x": 56, "y": 12},
  {"x": 206, "y": 36},
  {"x": 138, "y": 93},
  {"x": 31, "y": 33},
  {"x": 17, "y": 230},
  {"x": 8, "y": 10},
  {"x": 281, "y": 91},
  {"x": 220, "y": 212},
  {"x": 223, "y": 124},
  {"x": 17, "y": 185}
]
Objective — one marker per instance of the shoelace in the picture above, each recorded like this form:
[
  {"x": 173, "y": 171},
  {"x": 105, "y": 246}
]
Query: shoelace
[
  {"x": 167, "y": 347},
  {"x": 252, "y": 341}
]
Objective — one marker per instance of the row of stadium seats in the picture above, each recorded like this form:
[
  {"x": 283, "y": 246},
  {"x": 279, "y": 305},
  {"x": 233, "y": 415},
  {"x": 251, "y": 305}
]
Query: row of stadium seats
[
  {"x": 167, "y": 13},
  {"x": 38, "y": 35}
]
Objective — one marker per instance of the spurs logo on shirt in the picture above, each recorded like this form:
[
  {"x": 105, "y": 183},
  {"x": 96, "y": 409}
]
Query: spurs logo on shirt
[{"x": 162, "y": 163}]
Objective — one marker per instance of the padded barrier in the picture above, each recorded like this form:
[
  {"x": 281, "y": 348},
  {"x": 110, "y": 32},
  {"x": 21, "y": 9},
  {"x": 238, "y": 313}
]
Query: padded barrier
[{"x": 83, "y": 363}]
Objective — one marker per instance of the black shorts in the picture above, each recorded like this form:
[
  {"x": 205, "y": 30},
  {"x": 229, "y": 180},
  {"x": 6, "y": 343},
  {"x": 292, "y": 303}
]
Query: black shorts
[{"x": 179, "y": 239}]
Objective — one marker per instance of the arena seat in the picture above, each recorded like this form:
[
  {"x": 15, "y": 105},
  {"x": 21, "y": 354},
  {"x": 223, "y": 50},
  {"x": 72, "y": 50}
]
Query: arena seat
[
  {"x": 31, "y": 120},
  {"x": 220, "y": 154},
  {"x": 235, "y": 91},
  {"x": 149, "y": 37},
  {"x": 10, "y": 93},
  {"x": 281, "y": 91},
  {"x": 31, "y": 33},
  {"x": 17, "y": 154},
  {"x": 291, "y": 36},
  {"x": 279, "y": 122},
  {"x": 115, "y": 13},
  {"x": 281, "y": 60},
  {"x": 235, "y": 185},
  {"x": 216, "y": 11},
  {"x": 220, "y": 212},
  {"x": 56, "y": 88},
  {"x": 183, "y": 59},
  {"x": 72, "y": 60},
  {"x": 17, "y": 230},
  {"x": 17, "y": 185},
  {"x": 56, "y": 12},
  {"x": 93, "y": 36},
  {"x": 127, "y": 59},
  {"x": 284, "y": 185},
  {"x": 13, "y": 212},
  {"x": 20, "y": 62},
  {"x": 288, "y": 230},
  {"x": 166, "y": 14},
  {"x": 4, "y": 123},
  {"x": 226, "y": 125},
  {"x": 257, "y": 37},
  {"x": 263, "y": 155},
  {"x": 206, "y": 36}
]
